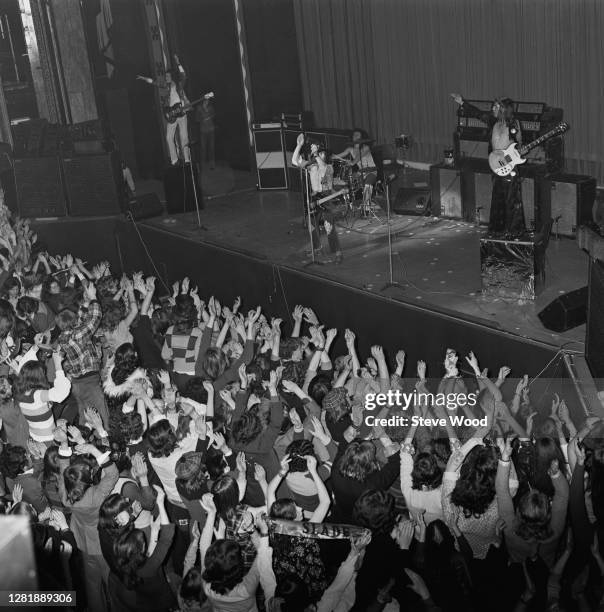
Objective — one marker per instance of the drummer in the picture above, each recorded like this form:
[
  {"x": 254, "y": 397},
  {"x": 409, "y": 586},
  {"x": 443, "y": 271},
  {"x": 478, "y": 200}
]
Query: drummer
[{"x": 358, "y": 155}]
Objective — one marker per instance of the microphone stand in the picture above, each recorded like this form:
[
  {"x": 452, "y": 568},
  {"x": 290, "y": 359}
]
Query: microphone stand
[
  {"x": 391, "y": 282},
  {"x": 307, "y": 199},
  {"x": 193, "y": 182}
]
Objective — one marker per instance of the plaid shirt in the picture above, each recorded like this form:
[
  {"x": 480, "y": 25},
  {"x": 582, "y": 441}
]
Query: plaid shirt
[{"x": 81, "y": 354}]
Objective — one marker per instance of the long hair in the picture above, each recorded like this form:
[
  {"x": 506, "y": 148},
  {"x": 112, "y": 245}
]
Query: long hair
[
  {"x": 130, "y": 552},
  {"x": 426, "y": 471},
  {"x": 475, "y": 488},
  {"x": 214, "y": 363},
  {"x": 358, "y": 460},
  {"x": 545, "y": 451},
  {"x": 78, "y": 478},
  {"x": 226, "y": 496},
  {"x": 125, "y": 362},
  {"x": 534, "y": 514},
  {"x": 32, "y": 377},
  {"x": 13, "y": 461},
  {"x": 224, "y": 567},
  {"x": 51, "y": 470},
  {"x": 162, "y": 439},
  {"x": 297, "y": 450},
  {"x": 111, "y": 507}
]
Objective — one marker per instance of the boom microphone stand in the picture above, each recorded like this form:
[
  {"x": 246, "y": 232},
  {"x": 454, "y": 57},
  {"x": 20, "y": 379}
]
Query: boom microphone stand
[{"x": 387, "y": 180}]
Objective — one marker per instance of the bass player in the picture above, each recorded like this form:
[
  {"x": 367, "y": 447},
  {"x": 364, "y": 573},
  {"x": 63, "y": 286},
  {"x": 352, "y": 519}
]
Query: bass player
[{"x": 507, "y": 214}]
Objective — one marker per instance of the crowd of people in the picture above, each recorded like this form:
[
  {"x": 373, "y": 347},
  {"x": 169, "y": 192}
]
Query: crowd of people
[{"x": 178, "y": 453}]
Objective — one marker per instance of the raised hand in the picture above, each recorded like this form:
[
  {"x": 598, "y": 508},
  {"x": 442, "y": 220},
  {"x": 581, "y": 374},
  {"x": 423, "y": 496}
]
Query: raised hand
[
  {"x": 400, "y": 358},
  {"x": 310, "y": 316},
  {"x": 311, "y": 463},
  {"x": 259, "y": 473},
  {"x": 377, "y": 352},
  {"x": 421, "y": 370},
  {"x": 240, "y": 463},
  {"x": 300, "y": 140},
  {"x": 207, "y": 502},
  {"x": 504, "y": 372},
  {"x": 139, "y": 467},
  {"x": 402, "y": 534},
  {"x": 175, "y": 289},
  {"x": 349, "y": 337},
  {"x": 17, "y": 493},
  {"x": 75, "y": 434},
  {"x": 298, "y": 313},
  {"x": 554, "y": 468},
  {"x": 285, "y": 464},
  {"x": 184, "y": 288}
]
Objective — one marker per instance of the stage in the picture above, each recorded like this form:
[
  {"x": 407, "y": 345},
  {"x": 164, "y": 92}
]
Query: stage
[{"x": 436, "y": 261}]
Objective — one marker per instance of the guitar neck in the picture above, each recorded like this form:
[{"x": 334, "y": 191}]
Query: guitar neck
[{"x": 535, "y": 143}]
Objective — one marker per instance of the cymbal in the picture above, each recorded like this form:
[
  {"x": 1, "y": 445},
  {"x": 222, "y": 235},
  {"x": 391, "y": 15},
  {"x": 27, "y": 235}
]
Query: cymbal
[{"x": 360, "y": 142}]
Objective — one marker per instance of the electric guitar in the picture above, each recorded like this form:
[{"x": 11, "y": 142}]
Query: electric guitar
[
  {"x": 178, "y": 110},
  {"x": 503, "y": 162}
]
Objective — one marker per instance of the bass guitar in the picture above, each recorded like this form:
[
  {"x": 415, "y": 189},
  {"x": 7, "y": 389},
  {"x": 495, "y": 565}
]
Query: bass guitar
[
  {"x": 178, "y": 110},
  {"x": 503, "y": 161}
]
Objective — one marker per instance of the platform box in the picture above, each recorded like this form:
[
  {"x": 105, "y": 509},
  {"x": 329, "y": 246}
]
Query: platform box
[{"x": 511, "y": 269}]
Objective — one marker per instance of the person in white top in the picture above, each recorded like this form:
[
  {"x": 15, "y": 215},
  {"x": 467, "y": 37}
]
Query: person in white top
[
  {"x": 174, "y": 81},
  {"x": 320, "y": 174}
]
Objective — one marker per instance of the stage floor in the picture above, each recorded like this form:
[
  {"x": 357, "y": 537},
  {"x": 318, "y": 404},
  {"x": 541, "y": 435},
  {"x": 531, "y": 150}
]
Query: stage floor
[{"x": 436, "y": 261}]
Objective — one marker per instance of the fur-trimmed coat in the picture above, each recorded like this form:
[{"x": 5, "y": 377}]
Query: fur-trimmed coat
[{"x": 112, "y": 389}]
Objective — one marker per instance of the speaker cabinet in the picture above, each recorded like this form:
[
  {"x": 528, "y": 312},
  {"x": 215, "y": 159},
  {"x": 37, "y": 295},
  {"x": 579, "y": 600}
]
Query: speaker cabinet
[
  {"x": 182, "y": 189},
  {"x": 565, "y": 312},
  {"x": 594, "y": 337},
  {"x": 568, "y": 199},
  {"x": 270, "y": 158},
  {"x": 37, "y": 189},
  {"x": 91, "y": 184},
  {"x": 445, "y": 184},
  {"x": 144, "y": 206},
  {"x": 476, "y": 189},
  {"x": 410, "y": 200}
]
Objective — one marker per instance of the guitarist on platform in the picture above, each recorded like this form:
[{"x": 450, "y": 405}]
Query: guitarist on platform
[
  {"x": 507, "y": 214},
  {"x": 175, "y": 80}
]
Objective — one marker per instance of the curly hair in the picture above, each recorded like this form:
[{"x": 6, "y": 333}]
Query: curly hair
[
  {"x": 224, "y": 567},
  {"x": 113, "y": 313},
  {"x": 426, "y": 471},
  {"x": 535, "y": 514},
  {"x": 375, "y": 509},
  {"x": 247, "y": 428},
  {"x": 27, "y": 306},
  {"x": 131, "y": 426},
  {"x": 13, "y": 461},
  {"x": 294, "y": 371},
  {"x": 130, "y": 553},
  {"x": 162, "y": 439},
  {"x": 358, "y": 460},
  {"x": 297, "y": 450},
  {"x": 475, "y": 488},
  {"x": 125, "y": 361}
]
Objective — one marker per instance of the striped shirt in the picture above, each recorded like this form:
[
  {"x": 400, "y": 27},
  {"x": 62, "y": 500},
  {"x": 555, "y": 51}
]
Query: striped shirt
[
  {"x": 36, "y": 407},
  {"x": 181, "y": 350}
]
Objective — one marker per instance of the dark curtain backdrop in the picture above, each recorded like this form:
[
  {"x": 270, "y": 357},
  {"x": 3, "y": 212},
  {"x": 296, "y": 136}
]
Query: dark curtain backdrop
[{"x": 389, "y": 65}]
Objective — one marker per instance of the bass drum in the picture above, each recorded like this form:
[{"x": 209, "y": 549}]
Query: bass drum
[{"x": 341, "y": 172}]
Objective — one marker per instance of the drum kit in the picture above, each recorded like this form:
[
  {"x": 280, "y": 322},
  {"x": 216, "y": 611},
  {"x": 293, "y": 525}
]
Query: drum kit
[{"x": 351, "y": 178}]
